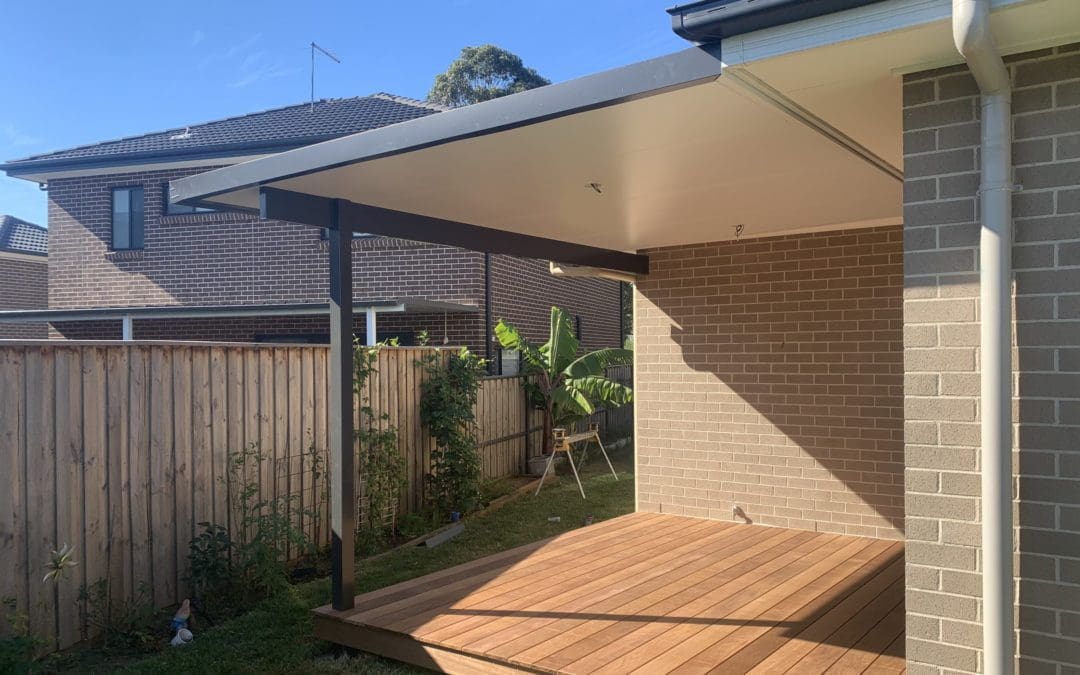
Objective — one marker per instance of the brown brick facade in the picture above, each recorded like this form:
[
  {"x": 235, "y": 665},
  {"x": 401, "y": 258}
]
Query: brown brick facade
[
  {"x": 941, "y": 335},
  {"x": 769, "y": 376},
  {"x": 230, "y": 258},
  {"x": 24, "y": 284}
]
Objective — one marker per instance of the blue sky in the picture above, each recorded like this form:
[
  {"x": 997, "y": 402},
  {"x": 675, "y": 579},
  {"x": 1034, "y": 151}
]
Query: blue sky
[{"x": 82, "y": 72}]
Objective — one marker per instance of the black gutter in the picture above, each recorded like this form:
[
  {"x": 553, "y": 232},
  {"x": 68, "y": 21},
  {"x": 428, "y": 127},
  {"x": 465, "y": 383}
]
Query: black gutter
[{"x": 712, "y": 20}]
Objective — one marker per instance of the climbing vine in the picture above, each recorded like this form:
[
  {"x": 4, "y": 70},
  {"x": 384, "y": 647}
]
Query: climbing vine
[
  {"x": 447, "y": 409},
  {"x": 381, "y": 464}
]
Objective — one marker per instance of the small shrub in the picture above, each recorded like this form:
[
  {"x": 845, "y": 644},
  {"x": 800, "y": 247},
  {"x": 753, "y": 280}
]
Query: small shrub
[
  {"x": 18, "y": 647},
  {"x": 121, "y": 625},
  {"x": 232, "y": 569}
]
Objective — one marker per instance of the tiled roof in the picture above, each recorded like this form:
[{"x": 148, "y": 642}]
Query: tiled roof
[
  {"x": 274, "y": 129},
  {"x": 19, "y": 236}
]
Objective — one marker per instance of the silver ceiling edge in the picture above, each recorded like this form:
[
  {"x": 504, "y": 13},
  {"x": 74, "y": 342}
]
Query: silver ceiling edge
[{"x": 761, "y": 90}]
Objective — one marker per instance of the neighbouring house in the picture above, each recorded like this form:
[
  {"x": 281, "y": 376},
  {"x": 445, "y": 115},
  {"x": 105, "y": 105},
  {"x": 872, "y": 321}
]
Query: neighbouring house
[
  {"x": 24, "y": 274},
  {"x": 126, "y": 263},
  {"x": 855, "y": 226}
]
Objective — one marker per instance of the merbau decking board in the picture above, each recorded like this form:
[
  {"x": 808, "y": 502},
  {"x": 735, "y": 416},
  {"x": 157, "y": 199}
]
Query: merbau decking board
[
  {"x": 566, "y": 587},
  {"x": 608, "y": 621},
  {"x": 647, "y": 593},
  {"x": 669, "y": 609},
  {"x": 425, "y": 610}
]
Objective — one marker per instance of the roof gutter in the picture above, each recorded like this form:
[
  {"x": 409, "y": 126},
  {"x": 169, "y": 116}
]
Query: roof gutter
[
  {"x": 712, "y": 20},
  {"x": 974, "y": 41}
]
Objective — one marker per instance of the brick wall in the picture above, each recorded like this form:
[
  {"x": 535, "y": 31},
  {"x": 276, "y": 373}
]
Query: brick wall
[
  {"x": 230, "y": 258},
  {"x": 23, "y": 285},
  {"x": 523, "y": 292},
  {"x": 941, "y": 335},
  {"x": 769, "y": 375}
]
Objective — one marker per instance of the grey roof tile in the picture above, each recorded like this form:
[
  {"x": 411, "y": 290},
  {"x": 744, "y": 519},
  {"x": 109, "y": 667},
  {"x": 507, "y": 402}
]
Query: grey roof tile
[
  {"x": 19, "y": 236},
  {"x": 293, "y": 125}
]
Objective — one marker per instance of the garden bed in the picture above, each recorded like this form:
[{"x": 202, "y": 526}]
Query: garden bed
[{"x": 276, "y": 637}]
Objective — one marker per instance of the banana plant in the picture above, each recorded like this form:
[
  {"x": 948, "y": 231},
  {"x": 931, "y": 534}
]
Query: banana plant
[{"x": 565, "y": 385}]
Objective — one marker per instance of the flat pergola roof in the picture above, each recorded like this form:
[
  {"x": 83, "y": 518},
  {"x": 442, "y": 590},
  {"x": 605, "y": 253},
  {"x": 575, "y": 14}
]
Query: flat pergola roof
[{"x": 790, "y": 129}]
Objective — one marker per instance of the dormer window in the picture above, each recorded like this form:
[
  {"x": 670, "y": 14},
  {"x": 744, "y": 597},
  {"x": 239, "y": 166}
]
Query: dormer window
[{"x": 128, "y": 218}]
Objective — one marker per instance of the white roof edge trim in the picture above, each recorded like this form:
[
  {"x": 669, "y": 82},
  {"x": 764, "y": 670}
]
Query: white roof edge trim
[{"x": 852, "y": 24}]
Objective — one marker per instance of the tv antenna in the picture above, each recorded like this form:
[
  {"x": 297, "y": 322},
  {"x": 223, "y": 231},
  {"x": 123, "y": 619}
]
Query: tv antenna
[{"x": 335, "y": 59}]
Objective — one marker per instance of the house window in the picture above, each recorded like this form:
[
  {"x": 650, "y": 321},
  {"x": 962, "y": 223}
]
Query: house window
[
  {"x": 180, "y": 209},
  {"x": 127, "y": 218}
]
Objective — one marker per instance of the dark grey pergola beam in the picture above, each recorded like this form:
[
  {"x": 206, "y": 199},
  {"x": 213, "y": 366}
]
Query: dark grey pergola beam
[
  {"x": 297, "y": 207},
  {"x": 340, "y": 413}
]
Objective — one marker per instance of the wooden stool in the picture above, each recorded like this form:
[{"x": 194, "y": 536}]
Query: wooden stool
[{"x": 563, "y": 442}]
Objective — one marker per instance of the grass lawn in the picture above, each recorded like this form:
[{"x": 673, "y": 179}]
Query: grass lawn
[{"x": 276, "y": 636}]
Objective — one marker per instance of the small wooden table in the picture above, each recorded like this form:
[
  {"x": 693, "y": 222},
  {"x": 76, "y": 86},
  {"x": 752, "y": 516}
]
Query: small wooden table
[{"x": 564, "y": 442}]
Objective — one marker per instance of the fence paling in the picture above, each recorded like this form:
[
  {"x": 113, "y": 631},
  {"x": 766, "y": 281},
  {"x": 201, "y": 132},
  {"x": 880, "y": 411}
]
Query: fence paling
[{"x": 121, "y": 450}]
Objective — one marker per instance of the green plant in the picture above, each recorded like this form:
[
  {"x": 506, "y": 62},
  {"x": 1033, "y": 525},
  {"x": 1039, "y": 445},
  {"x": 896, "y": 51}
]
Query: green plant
[
  {"x": 380, "y": 462},
  {"x": 124, "y": 625},
  {"x": 483, "y": 73},
  {"x": 447, "y": 409},
  {"x": 564, "y": 385},
  {"x": 18, "y": 647},
  {"x": 212, "y": 574},
  {"x": 60, "y": 561},
  {"x": 231, "y": 569}
]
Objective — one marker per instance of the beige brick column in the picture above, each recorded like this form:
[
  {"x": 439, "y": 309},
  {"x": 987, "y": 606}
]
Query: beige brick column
[{"x": 941, "y": 359}]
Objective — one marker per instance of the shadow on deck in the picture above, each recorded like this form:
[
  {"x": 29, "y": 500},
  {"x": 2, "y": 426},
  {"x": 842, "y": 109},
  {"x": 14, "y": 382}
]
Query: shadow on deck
[{"x": 647, "y": 593}]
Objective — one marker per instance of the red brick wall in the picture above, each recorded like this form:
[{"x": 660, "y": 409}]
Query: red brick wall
[
  {"x": 770, "y": 376},
  {"x": 23, "y": 285}
]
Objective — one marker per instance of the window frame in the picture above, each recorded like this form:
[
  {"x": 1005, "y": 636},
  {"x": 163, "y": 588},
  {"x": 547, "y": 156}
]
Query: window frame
[{"x": 130, "y": 225}]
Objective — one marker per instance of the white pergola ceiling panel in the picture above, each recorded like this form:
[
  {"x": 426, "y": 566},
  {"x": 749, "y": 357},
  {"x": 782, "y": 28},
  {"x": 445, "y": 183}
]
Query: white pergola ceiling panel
[{"x": 683, "y": 166}]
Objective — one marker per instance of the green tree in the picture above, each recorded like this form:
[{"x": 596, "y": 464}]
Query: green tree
[
  {"x": 564, "y": 385},
  {"x": 481, "y": 74}
]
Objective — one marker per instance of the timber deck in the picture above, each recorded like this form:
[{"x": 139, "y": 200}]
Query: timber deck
[{"x": 647, "y": 593}]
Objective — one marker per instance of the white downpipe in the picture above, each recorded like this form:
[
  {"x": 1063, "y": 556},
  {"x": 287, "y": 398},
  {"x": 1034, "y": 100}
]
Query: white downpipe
[
  {"x": 127, "y": 328},
  {"x": 971, "y": 33}
]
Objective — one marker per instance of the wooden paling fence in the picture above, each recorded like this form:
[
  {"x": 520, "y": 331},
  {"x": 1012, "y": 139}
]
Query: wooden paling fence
[{"x": 120, "y": 450}]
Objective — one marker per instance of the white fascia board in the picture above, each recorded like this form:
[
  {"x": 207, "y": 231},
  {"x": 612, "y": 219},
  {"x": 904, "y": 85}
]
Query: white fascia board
[{"x": 852, "y": 24}]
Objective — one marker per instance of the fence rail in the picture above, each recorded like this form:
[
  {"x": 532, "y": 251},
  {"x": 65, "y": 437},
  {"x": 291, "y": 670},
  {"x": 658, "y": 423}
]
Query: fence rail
[{"x": 122, "y": 449}]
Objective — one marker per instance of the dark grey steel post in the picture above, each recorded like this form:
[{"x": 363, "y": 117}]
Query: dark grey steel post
[{"x": 342, "y": 457}]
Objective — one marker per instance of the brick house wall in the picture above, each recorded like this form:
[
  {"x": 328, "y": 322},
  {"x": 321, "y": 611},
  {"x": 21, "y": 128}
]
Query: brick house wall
[
  {"x": 769, "y": 375},
  {"x": 234, "y": 258},
  {"x": 941, "y": 335},
  {"x": 521, "y": 289},
  {"x": 24, "y": 284}
]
